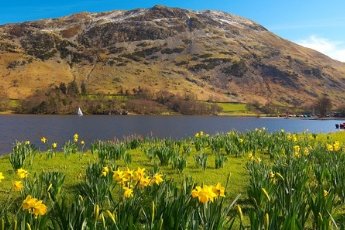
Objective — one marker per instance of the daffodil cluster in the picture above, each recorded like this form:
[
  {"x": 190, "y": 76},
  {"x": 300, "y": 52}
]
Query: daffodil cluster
[
  {"x": 201, "y": 134},
  {"x": 130, "y": 179},
  {"x": 292, "y": 137},
  {"x": 208, "y": 193},
  {"x": 75, "y": 137},
  {"x": 18, "y": 185},
  {"x": 251, "y": 157},
  {"x": 297, "y": 151},
  {"x": 333, "y": 147},
  {"x": 34, "y": 206}
]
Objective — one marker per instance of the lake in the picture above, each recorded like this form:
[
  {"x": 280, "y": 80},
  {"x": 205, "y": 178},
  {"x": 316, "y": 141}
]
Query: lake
[{"x": 58, "y": 128}]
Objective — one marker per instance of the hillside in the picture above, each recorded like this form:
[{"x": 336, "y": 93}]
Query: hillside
[{"x": 214, "y": 55}]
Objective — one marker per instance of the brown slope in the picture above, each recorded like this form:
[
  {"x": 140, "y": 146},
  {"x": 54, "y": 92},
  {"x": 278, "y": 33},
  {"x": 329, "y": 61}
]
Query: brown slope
[{"x": 209, "y": 53}]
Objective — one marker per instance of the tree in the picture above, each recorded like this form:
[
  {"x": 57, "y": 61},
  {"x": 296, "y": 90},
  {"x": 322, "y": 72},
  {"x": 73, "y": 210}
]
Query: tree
[
  {"x": 63, "y": 88},
  {"x": 72, "y": 88},
  {"x": 323, "y": 106},
  {"x": 83, "y": 88}
]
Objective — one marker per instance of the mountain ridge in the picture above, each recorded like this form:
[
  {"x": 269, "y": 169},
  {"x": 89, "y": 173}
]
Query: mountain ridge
[{"x": 212, "y": 54}]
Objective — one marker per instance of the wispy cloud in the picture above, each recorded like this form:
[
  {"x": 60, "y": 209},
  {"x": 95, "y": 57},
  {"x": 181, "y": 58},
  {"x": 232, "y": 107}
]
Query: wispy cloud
[{"x": 333, "y": 49}]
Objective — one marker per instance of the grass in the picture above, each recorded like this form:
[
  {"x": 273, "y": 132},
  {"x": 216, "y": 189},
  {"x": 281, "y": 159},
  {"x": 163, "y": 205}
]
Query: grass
[
  {"x": 238, "y": 167},
  {"x": 74, "y": 165},
  {"x": 230, "y": 108}
]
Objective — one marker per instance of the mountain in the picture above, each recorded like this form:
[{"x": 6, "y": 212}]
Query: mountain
[{"x": 212, "y": 54}]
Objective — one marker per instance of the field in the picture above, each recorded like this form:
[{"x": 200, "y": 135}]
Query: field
[
  {"x": 234, "y": 109},
  {"x": 253, "y": 180}
]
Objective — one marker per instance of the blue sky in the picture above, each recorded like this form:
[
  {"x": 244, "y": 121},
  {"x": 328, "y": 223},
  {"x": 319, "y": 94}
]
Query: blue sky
[{"x": 318, "y": 24}]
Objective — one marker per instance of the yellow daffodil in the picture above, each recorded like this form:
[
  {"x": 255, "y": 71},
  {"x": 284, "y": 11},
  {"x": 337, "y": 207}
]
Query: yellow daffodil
[
  {"x": 43, "y": 140},
  {"x": 325, "y": 193},
  {"x": 1, "y": 176},
  {"x": 219, "y": 190},
  {"x": 39, "y": 209},
  {"x": 336, "y": 146},
  {"x": 118, "y": 175},
  {"x": 54, "y": 145},
  {"x": 157, "y": 178},
  {"x": 75, "y": 137},
  {"x": 22, "y": 173},
  {"x": 204, "y": 194},
  {"x": 18, "y": 186},
  {"x": 82, "y": 142},
  {"x": 128, "y": 192},
  {"x": 29, "y": 202},
  {"x": 139, "y": 173},
  {"x": 296, "y": 149},
  {"x": 27, "y": 142},
  {"x": 329, "y": 147},
  {"x": 251, "y": 157},
  {"x": 306, "y": 152},
  {"x": 105, "y": 171},
  {"x": 195, "y": 192},
  {"x": 207, "y": 194},
  {"x": 128, "y": 174},
  {"x": 144, "y": 182}
]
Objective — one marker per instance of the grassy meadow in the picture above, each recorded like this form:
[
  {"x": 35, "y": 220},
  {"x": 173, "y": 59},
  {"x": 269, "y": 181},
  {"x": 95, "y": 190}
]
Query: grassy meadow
[{"x": 254, "y": 180}]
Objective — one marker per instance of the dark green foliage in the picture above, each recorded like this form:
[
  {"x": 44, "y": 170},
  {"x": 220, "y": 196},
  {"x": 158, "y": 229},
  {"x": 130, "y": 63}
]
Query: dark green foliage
[
  {"x": 72, "y": 88},
  {"x": 83, "y": 89}
]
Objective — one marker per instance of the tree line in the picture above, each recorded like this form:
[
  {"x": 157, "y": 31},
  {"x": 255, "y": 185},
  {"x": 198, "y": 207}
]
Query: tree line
[{"x": 66, "y": 98}]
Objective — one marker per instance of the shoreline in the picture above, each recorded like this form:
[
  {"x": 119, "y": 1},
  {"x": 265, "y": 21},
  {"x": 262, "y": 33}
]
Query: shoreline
[{"x": 178, "y": 114}]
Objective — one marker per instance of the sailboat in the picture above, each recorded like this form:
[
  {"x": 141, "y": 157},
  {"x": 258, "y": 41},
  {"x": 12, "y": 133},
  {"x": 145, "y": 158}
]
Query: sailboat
[{"x": 80, "y": 113}]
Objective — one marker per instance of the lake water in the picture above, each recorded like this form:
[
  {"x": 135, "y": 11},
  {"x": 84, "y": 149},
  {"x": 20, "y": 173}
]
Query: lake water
[{"x": 90, "y": 128}]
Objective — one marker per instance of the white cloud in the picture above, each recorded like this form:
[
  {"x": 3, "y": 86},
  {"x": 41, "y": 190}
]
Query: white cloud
[{"x": 333, "y": 49}]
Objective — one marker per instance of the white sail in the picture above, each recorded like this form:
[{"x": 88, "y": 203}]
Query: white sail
[{"x": 80, "y": 113}]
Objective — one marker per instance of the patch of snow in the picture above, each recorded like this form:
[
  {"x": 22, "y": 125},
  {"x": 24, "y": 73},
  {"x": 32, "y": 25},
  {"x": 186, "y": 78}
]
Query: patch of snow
[
  {"x": 228, "y": 18},
  {"x": 117, "y": 16}
]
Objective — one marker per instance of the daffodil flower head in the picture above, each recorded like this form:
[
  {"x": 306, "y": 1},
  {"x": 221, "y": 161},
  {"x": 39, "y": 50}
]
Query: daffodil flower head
[
  {"x": 325, "y": 193},
  {"x": 144, "y": 182},
  {"x": 18, "y": 186},
  {"x": 219, "y": 190},
  {"x": 118, "y": 175},
  {"x": 44, "y": 140},
  {"x": 204, "y": 194},
  {"x": 128, "y": 174},
  {"x": 39, "y": 209},
  {"x": 157, "y": 178},
  {"x": 139, "y": 173},
  {"x": 105, "y": 171},
  {"x": 128, "y": 192},
  {"x": 22, "y": 173}
]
